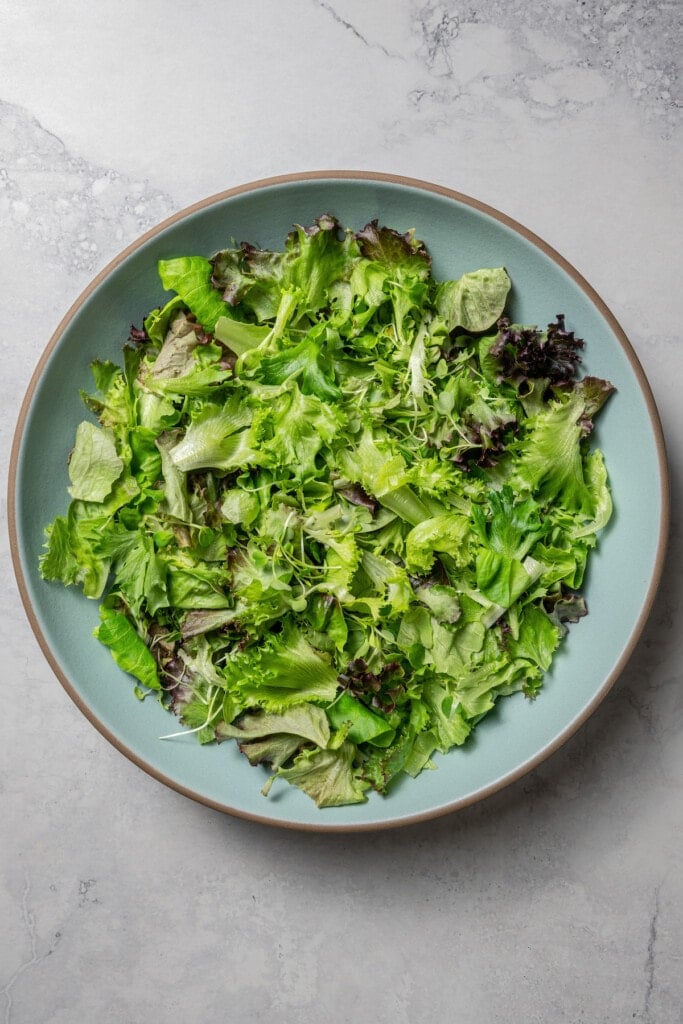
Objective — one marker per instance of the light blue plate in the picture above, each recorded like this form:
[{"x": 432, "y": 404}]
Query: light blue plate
[{"x": 462, "y": 235}]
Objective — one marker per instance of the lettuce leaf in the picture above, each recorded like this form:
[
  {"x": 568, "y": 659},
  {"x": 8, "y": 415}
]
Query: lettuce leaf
[
  {"x": 327, "y": 776},
  {"x": 94, "y": 466},
  {"x": 281, "y": 672},
  {"x": 474, "y": 302},
  {"x": 128, "y": 649},
  {"x": 190, "y": 278}
]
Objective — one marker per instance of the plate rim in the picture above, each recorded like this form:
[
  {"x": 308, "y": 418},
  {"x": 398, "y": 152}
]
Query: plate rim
[{"x": 655, "y": 422}]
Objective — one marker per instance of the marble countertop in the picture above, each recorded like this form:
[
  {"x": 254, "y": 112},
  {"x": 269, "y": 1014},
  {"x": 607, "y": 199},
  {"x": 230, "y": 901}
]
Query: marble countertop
[{"x": 561, "y": 897}]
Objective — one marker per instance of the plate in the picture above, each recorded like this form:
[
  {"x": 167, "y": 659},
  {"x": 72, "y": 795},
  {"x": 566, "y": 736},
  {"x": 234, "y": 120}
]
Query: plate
[{"x": 462, "y": 234}]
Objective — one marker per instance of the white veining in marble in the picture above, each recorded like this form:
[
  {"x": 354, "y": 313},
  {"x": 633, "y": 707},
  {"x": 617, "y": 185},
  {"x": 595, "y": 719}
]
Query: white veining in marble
[{"x": 557, "y": 900}]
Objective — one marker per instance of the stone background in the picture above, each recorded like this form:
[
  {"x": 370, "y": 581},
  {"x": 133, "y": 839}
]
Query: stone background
[{"x": 559, "y": 899}]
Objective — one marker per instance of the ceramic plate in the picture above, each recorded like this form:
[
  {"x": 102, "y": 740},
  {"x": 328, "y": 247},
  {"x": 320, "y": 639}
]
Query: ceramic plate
[{"x": 461, "y": 234}]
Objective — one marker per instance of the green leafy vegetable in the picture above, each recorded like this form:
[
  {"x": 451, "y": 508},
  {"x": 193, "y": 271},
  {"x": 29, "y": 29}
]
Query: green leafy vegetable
[
  {"x": 128, "y": 649},
  {"x": 94, "y": 466},
  {"x": 337, "y": 509},
  {"x": 476, "y": 301}
]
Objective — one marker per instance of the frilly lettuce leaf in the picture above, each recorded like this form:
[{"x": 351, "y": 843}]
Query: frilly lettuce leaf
[
  {"x": 450, "y": 533},
  {"x": 550, "y": 459},
  {"x": 523, "y": 353},
  {"x": 394, "y": 251},
  {"x": 281, "y": 672}
]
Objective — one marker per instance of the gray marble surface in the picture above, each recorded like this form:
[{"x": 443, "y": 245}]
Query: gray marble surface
[{"x": 558, "y": 899}]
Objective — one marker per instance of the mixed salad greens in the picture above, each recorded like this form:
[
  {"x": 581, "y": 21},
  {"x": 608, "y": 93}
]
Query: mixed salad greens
[{"x": 334, "y": 508}]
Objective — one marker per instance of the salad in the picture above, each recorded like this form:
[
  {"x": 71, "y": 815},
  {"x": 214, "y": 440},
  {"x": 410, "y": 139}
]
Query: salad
[{"x": 332, "y": 508}]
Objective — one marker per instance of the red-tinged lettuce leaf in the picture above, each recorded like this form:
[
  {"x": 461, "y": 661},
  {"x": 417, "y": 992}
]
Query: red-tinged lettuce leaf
[
  {"x": 383, "y": 689},
  {"x": 192, "y": 681},
  {"x": 317, "y": 257},
  {"x": 186, "y": 366},
  {"x": 487, "y": 424},
  {"x": 231, "y": 275},
  {"x": 314, "y": 259},
  {"x": 157, "y": 323},
  {"x": 389, "y": 248},
  {"x": 381, "y": 767},
  {"x": 537, "y": 639},
  {"x": 553, "y": 355},
  {"x": 565, "y": 606},
  {"x": 196, "y": 623},
  {"x": 355, "y": 494},
  {"x": 594, "y": 393},
  {"x": 176, "y": 356},
  {"x": 250, "y": 279}
]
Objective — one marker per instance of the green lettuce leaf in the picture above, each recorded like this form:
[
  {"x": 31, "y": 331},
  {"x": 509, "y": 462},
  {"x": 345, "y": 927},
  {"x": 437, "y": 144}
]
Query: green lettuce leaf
[
  {"x": 364, "y": 725},
  {"x": 448, "y": 534},
  {"x": 327, "y": 776},
  {"x": 550, "y": 458},
  {"x": 282, "y": 672},
  {"x": 305, "y": 721},
  {"x": 128, "y": 649},
  {"x": 190, "y": 278},
  {"x": 94, "y": 466},
  {"x": 476, "y": 301},
  {"x": 215, "y": 438},
  {"x": 451, "y": 726}
]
